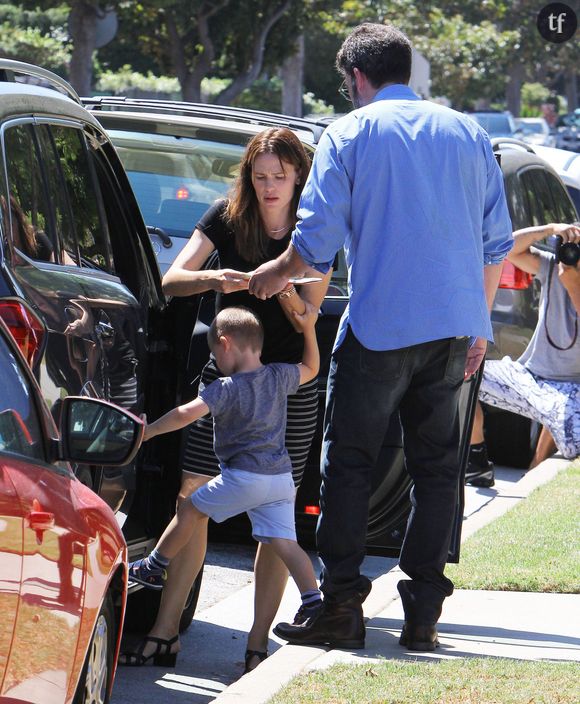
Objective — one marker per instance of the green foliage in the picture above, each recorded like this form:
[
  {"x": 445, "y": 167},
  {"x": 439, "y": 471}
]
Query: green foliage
[
  {"x": 32, "y": 46},
  {"x": 128, "y": 82},
  {"x": 49, "y": 21}
]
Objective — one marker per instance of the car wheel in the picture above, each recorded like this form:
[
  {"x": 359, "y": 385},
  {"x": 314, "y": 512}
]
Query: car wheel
[
  {"x": 93, "y": 687},
  {"x": 511, "y": 439},
  {"x": 143, "y": 605}
]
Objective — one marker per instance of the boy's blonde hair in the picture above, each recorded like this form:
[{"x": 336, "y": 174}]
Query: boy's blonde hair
[{"x": 239, "y": 323}]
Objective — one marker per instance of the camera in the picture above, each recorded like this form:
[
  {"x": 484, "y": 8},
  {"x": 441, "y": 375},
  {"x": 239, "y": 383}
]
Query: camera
[{"x": 567, "y": 252}]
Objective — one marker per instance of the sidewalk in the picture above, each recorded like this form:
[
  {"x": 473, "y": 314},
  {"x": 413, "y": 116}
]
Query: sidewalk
[{"x": 474, "y": 623}]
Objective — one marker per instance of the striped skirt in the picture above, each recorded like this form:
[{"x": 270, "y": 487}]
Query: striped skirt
[{"x": 198, "y": 455}]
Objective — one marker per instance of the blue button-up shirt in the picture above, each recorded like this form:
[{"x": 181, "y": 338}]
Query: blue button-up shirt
[{"x": 414, "y": 194}]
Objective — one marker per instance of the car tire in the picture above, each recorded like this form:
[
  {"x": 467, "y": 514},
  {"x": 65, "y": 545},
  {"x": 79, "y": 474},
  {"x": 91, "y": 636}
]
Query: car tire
[
  {"x": 94, "y": 682},
  {"x": 511, "y": 439},
  {"x": 143, "y": 605}
]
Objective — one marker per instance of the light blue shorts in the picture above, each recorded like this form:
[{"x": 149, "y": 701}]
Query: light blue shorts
[{"x": 268, "y": 499}]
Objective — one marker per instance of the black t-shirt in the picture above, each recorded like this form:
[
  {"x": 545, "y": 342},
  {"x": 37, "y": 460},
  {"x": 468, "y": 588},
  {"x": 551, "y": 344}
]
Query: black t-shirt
[{"x": 281, "y": 342}]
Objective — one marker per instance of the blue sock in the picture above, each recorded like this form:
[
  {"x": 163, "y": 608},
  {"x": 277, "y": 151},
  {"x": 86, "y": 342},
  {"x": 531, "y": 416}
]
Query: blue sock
[
  {"x": 157, "y": 561},
  {"x": 311, "y": 599}
]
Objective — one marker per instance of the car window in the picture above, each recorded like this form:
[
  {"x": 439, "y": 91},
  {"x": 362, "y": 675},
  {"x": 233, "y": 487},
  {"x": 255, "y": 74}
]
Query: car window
[
  {"x": 79, "y": 182},
  {"x": 542, "y": 204},
  {"x": 564, "y": 207},
  {"x": 32, "y": 229},
  {"x": 176, "y": 179},
  {"x": 20, "y": 430}
]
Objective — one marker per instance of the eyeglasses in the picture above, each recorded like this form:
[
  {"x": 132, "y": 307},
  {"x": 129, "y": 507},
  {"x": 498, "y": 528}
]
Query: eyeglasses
[{"x": 343, "y": 91}]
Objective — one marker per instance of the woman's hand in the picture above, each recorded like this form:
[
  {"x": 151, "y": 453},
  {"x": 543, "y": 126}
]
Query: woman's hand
[
  {"x": 230, "y": 280},
  {"x": 568, "y": 233}
]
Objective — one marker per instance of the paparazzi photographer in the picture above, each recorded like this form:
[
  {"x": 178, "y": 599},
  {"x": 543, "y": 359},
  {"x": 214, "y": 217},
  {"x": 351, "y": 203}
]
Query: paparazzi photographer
[{"x": 544, "y": 383}]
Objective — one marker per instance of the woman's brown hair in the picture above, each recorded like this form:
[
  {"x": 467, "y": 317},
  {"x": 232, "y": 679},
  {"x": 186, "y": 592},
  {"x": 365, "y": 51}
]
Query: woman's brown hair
[{"x": 242, "y": 213}]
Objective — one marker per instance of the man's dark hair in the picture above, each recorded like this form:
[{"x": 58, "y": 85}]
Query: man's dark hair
[
  {"x": 381, "y": 52},
  {"x": 239, "y": 323}
]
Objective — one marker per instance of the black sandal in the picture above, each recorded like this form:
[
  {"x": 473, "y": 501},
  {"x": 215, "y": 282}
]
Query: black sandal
[
  {"x": 260, "y": 654},
  {"x": 162, "y": 654}
]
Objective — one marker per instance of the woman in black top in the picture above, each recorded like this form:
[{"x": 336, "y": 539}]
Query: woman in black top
[{"x": 252, "y": 227}]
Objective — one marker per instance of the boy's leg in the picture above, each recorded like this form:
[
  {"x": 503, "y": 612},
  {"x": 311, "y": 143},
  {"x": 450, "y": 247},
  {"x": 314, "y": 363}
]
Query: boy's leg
[
  {"x": 297, "y": 562},
  {"x": 180, "y": 531},
  {"x": 150, "y": 571}
]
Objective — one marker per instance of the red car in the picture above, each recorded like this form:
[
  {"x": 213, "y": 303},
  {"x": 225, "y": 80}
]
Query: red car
[{"x": 63, "y": 575}]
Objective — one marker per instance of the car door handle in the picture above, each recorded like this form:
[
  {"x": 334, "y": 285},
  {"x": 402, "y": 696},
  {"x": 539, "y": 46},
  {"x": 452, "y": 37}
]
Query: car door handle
[{"x": 41, "y": 520}]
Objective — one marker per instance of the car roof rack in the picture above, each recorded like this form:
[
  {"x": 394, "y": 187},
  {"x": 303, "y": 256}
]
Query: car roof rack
[
  {"x": 207, "y": 110},
  {"x": 9, "y": 69},
  {"x": 510, "y": 142}
]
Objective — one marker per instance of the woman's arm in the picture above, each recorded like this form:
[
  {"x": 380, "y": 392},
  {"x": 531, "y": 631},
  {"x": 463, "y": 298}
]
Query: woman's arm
[
  {"x": 185, "y": 276},
  {"x": 520, "y": 254},
  {"x": 292, "y": 302}
]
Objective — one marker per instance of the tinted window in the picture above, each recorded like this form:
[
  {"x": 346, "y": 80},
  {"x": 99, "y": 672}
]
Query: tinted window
[
  {"x": 543, "y": 207},
  {"x": 80, "y": 185},
  {"x": 19, "y": 427},
  {"x": 32, "y": 230},
  {"x": 564, "y": 207}
]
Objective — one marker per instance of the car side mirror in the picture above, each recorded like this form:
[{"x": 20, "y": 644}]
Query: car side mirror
[{"x": 98, "y": 432}]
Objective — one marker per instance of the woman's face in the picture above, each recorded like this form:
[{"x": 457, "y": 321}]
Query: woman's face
[{"x": 274, "y": 182}]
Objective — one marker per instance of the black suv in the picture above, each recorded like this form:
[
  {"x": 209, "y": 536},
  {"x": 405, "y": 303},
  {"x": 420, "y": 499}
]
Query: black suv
[{"x": 81, "y": 293}]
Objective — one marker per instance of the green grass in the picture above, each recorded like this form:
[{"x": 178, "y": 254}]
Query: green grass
[
  {"x": 535, "y": 547},
  {"x": 465, "y": 681}
]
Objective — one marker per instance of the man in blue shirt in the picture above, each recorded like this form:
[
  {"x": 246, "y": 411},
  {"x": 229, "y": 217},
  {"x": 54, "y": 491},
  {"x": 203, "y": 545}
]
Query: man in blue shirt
[{"x": 412, "y": 192}]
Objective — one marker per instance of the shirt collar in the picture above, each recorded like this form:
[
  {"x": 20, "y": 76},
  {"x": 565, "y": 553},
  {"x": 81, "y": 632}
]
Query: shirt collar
[{"x": 397, "y": 91}]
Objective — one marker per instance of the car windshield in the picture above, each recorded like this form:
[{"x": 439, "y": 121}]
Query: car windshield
[
  {"x": 494, "y": 124},
  {"x": 175, "y": 179}
]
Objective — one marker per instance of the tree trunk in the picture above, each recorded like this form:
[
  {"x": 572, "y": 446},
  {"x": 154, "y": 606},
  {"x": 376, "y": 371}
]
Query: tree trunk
[
  {"x": 82, "y": 28},
  {"x": 292, "y": 81},
  {"x": 571, "y": 79},
  {"x": 513, "y": 89}
]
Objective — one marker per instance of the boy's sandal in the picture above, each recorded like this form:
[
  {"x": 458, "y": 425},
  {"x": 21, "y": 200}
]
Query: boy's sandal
[
  {"x": 260, "y": 654},
  {"x": 161, "y": 656}
]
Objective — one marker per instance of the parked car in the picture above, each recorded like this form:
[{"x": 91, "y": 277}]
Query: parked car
[
  {"x": 496, "y": 123},
  {"x": 81, "y": 291},
  {"x": 535, "y": 130},
  {"x": 568, "y": 131},
  {"x": 567, "y": 166},
  {"x": 535, "y": 195},
  {"x": 63, "y": 571}
]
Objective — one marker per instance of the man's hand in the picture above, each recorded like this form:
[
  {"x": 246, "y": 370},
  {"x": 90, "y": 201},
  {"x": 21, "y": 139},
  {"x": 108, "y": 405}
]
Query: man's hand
[
  {"x": 475, "y": 355},
  {"x": 267, "y": 280}
]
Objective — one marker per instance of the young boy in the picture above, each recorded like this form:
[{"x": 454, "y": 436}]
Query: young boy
[{"x": 248, "y": 406}]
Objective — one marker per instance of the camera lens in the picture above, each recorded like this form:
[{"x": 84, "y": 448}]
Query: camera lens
[{"x": 569, "y": 253}]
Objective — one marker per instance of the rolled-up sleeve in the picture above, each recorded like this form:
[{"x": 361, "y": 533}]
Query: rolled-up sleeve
[
  {"x": 497, "y": 225},
  {"x": 324, "y": 208}
]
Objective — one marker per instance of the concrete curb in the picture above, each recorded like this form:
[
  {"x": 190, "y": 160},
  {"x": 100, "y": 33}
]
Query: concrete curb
[{"x": 258, "y": 686}]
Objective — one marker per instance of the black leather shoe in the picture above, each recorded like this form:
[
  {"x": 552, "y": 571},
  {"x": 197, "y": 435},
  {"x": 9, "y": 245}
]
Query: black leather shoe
[
  {"x": 476, "y": 475},
  {"x": 419, "y": 636},
  {"x": 339, "y": 625}
]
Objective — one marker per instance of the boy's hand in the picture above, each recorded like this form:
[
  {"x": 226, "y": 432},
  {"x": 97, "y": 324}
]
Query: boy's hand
[
  {"x": 307, "y": 320},
  {"x": 147, "y": 434}
]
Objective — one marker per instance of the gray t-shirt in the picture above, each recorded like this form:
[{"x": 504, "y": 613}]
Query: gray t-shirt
[
  {"x": 540, "y": 357},
  {"x": 249, "y": 418}
]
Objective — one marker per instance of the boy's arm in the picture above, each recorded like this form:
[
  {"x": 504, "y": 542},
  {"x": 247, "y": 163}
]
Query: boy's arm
[
  {"x": 310, "y": 364},
  {"x": 177, "y": 418}
]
